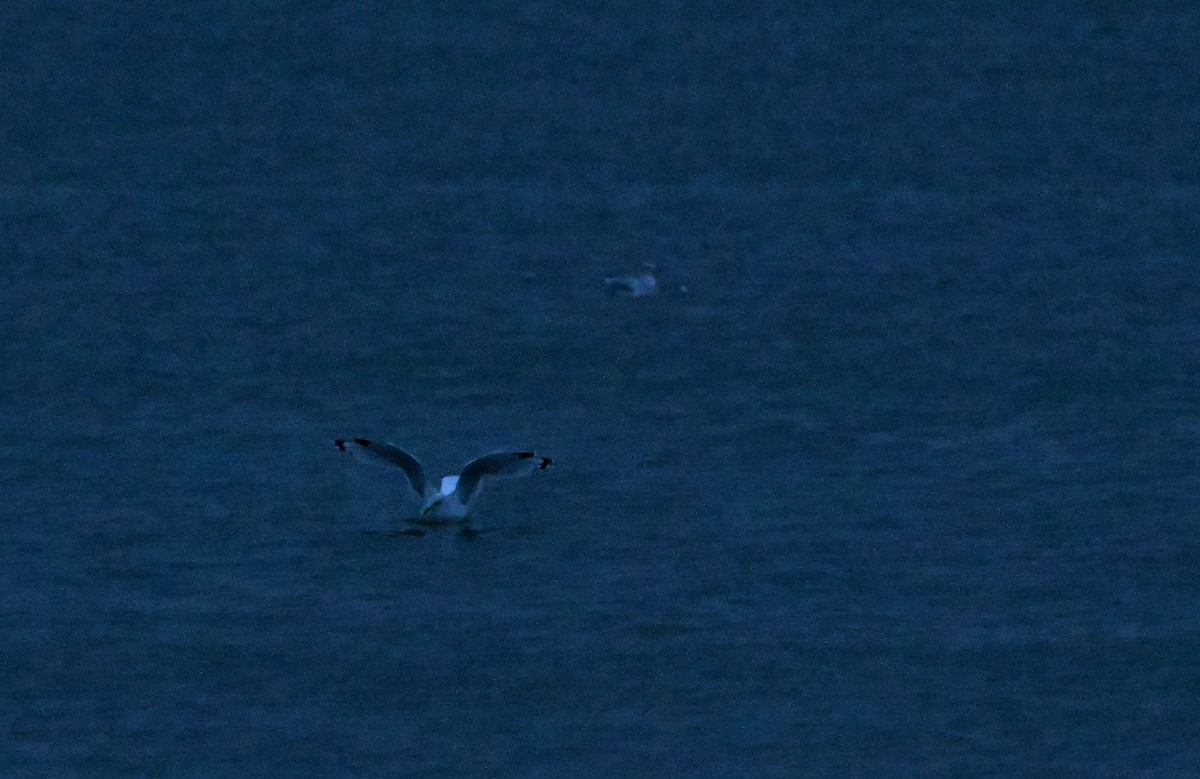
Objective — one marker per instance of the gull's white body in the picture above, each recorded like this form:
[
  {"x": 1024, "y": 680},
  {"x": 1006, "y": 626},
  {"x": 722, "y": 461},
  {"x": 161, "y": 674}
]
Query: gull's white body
[
  {"x": 450, "y": 501},
  {"x": 443, "y": 505}
]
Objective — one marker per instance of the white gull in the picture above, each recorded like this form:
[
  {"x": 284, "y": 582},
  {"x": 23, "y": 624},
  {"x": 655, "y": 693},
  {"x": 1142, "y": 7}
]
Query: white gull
[{"x": 449, "y": 502}]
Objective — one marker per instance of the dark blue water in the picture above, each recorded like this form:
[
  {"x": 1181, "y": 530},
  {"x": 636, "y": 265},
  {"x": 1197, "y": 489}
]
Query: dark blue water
[{"x": 904, "y": 484}]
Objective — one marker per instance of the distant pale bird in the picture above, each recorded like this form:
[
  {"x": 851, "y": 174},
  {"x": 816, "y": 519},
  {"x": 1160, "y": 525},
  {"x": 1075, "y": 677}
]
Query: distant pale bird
[
  {"x": 639, "y": 285},
  {"x": 450, "y": 501}
]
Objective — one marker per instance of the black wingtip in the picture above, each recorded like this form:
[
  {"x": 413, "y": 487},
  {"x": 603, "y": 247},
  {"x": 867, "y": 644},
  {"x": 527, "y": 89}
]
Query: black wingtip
[
  {"x": 362, "y": 441},
  {"x": 340, "y": 443},
  {"x": 543, "y": 465}
]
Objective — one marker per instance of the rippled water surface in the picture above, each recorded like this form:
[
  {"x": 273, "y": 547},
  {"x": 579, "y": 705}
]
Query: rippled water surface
[{"x": 896, "y": 476}]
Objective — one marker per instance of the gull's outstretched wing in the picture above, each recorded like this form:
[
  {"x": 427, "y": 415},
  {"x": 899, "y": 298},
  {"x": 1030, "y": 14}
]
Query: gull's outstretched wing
[
  {"x": 385, "y": 454},
  {"x": 497, "y": 464}
]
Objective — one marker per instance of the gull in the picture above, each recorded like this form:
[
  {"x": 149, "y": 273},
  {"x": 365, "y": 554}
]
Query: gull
[
  {"x": 450, "y": 501},
  {"x": 634, "y": 286},
  {"x": 640, "y": 285}
]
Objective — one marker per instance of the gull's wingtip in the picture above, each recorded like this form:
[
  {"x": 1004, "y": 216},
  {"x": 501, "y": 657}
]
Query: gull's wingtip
[
  {"x": 541, "y": 466},
  {"x": 340, "y": 443}
]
